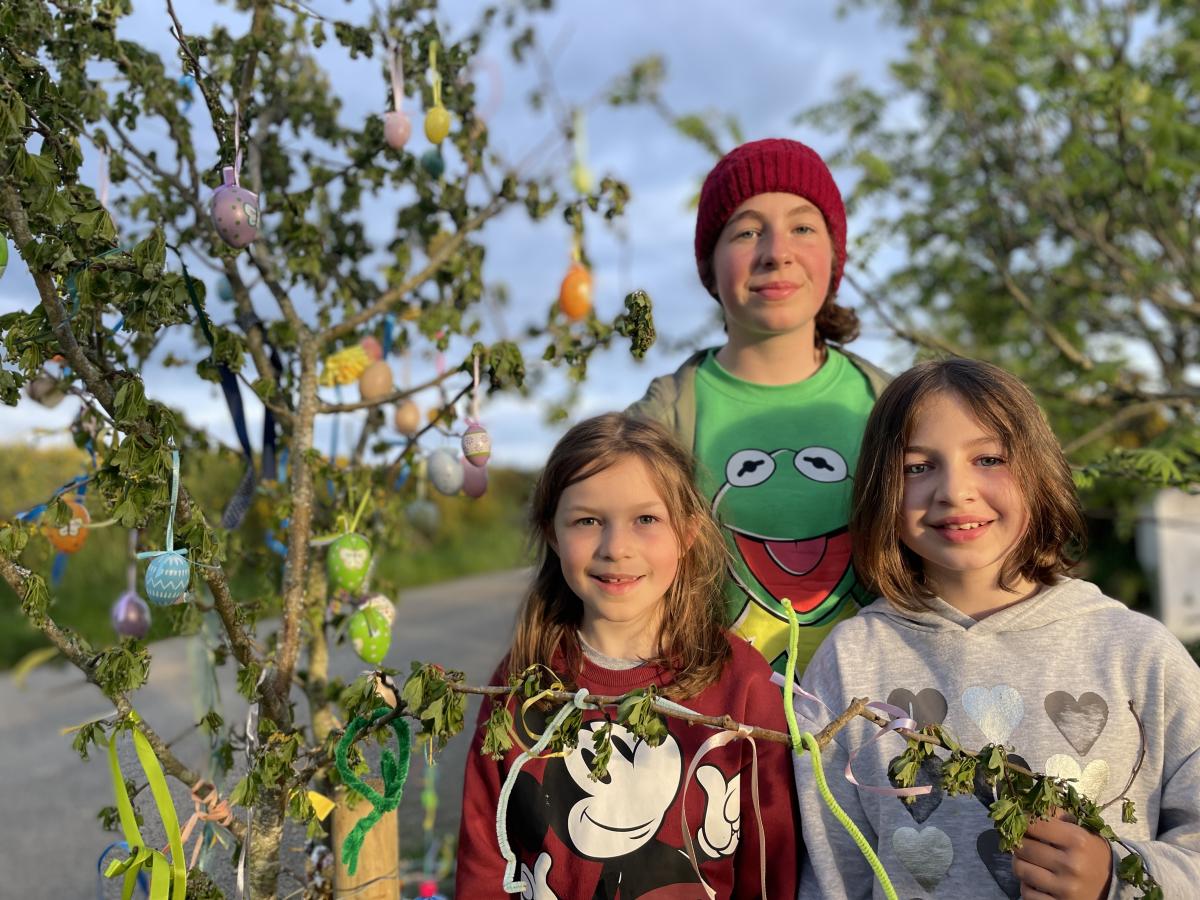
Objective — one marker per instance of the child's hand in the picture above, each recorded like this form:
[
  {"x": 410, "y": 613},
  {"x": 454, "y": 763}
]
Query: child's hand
[{"x": 1058, "y": 860}]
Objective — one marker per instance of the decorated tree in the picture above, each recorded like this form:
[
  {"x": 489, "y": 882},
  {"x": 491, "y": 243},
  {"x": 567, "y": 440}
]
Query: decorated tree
[{"x": 234, "y": 159}]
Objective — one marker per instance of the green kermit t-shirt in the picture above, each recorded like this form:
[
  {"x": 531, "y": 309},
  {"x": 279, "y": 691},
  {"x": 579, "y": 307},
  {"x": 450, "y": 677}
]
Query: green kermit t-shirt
[{"x": 777, "y": 463}]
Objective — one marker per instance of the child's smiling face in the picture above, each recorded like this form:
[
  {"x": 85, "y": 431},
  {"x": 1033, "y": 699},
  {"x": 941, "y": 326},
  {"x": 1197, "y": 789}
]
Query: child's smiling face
[
  {"x": 963, "y": 511},
  {"x": 771, "y": 266}
]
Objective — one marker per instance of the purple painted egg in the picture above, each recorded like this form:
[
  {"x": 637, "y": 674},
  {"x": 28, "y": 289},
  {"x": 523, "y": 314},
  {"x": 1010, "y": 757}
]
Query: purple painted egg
[
  {"x": 234, "y": 211},
  {"x": 397, "y": 128},
  {"x": 131, "y": 616},
  {"x": 474, "y": 479}
]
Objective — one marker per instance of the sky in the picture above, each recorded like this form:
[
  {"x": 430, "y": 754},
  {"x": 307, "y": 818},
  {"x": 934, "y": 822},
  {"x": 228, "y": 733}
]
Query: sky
[{"x": 763, "y": 61}]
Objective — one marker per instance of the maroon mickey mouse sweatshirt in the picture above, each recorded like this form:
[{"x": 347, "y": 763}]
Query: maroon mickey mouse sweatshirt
[{"x": 621, "y": 836}]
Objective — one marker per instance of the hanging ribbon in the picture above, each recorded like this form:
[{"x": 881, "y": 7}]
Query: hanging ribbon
[
  {"x": 237, "y": 142},
  {"x": 251, "y": 749},
  {"x": 150, "y": 554},
  {"x": 393, "y": 767},
  {"x": 208, "y": 808},
  {"x": 168, "y": 877},
  {"x": 239, "y": 503},
  {"x": 720, "y": 740}
]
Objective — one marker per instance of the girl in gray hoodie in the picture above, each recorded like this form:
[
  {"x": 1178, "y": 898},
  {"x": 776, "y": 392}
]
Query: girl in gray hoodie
[{"x": 965, "y": 519}]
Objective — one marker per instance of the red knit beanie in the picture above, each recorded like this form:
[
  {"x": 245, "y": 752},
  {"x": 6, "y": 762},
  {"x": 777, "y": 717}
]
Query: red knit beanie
[{"x": 774, "y": 165}]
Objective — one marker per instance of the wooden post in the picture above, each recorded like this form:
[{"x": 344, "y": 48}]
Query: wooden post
[{"x": 377, "y": 876}]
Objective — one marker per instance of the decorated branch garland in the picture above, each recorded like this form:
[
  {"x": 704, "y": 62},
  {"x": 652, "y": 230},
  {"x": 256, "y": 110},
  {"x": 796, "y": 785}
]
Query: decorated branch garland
[{"x": 437, "y": 698}]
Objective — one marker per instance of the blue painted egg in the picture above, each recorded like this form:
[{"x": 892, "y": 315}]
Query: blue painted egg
[{"x": 167, "y": 578}]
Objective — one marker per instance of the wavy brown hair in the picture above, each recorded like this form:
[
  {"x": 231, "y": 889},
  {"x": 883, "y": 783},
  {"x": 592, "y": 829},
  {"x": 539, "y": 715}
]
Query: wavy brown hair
[
  {"x": 691, "y": 640},
  {"x": 1055, "y": 535}
]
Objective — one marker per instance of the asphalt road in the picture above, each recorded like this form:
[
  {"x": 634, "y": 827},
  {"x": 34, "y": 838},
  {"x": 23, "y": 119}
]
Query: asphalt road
[{"x": 50, "y": 838}]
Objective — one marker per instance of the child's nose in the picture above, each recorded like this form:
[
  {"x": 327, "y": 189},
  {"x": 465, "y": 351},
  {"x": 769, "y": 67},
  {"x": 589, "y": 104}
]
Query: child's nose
[
  {"x": 615, "y": 544},
  {"x": 776, "y": 249},
  {"x": 957, "y": 484}
]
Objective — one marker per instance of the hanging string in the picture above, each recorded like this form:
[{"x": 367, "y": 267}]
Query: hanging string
[
  {"x": 131, "y": 570},
  {"x": 103, "y": 191},
  {"x": 396, "y": 64},
  {"x": 237, "y": 142},
  {"x": 475, "y": 393},
  {"x": 435, "y": 75}
]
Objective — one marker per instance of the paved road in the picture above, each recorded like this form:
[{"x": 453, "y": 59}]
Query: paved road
[{"x": 50, "y": 838}]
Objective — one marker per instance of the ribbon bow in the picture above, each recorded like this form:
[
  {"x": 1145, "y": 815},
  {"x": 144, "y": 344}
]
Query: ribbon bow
[{"x": 209, "y": 808}]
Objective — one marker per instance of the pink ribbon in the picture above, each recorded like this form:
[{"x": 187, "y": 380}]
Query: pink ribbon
[{"x": 899, "y": 720}]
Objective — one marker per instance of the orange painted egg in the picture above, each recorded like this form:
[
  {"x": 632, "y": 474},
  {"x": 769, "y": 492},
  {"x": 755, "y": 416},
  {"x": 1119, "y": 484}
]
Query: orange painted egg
[
  {"x": 70, "y": 538},
  {"x": 575, "y": 293}
]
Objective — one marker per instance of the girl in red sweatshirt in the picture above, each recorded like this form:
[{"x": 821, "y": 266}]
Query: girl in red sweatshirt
[{"x": 628, "y": 595}]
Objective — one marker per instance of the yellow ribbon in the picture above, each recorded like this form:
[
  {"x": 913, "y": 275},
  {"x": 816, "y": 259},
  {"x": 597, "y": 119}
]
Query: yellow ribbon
[{"x": 168, "y": 877}]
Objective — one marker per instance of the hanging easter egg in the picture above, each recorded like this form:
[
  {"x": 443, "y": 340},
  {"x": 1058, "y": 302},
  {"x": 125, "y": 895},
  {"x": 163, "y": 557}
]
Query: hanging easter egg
[
  {"x": 376, "y": 382},
  {"x": 445, "y": 471},
  {"x": 397, "y": 128},
  {"x": 370, "y": 635},
  {"x": 424, "y": 516},
  {"x": 130, "y": 616},
  {"x": 224, "y": 289},
  {"x": 43, "y": 388},
  {"x": 3, "y": 256},
  {"x": 167, "y": 578},
  {"x": 383, "y": 605},
  {"x": 475, "y": 480},
  {"x": 372, "y": 347},
  {"x": 437, "y": 124},
  {"x": 347, "y": 561},
  {"x": 477, "y": 445},
  {"x": 407, "y": 418},
  {"x": 432, "y": 162},
  {"x": 70, "y": 538},
  {"x": 234, "y": 211},
  {"x": 575, "y": 293}
]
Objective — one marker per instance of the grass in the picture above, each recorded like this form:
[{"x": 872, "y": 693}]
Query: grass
[{"x": 475, "y": 536}]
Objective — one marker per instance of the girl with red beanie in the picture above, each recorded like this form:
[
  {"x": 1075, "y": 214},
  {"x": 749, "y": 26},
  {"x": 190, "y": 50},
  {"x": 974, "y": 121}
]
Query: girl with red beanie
[{"x": 775, "y": 415}]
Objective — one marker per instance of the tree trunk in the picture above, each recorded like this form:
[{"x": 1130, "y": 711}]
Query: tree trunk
[{"x": 266, "y": 843}]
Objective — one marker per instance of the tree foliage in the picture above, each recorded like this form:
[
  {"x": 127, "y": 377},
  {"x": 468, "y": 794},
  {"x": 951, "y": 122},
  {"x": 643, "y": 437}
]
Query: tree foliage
[
  {"x": 1031, "y": 182},
  {"x": 351, "y": 232}
]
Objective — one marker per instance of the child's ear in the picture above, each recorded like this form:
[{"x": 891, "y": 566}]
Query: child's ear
[{"x": 691, "y": 529}]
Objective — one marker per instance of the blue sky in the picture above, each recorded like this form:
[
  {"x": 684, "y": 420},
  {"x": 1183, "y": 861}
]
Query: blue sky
[{"x": 762, "y": 61}]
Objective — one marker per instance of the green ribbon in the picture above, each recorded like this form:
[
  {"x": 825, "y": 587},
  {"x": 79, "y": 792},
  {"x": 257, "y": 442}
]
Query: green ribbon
[
  {"x": 394, "y": 768},
  {"x": 168, "y": 878}
]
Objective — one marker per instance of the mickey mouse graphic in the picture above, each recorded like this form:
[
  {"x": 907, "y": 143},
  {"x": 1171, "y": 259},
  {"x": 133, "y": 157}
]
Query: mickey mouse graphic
[{"x": 615, "y": 821}]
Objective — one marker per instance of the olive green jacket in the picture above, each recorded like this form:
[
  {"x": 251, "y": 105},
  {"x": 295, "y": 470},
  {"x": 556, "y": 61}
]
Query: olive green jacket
[{"x": 671, "y": 399}]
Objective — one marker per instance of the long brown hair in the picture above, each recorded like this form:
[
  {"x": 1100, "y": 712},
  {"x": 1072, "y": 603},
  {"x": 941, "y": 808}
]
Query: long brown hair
[
  {"x": 691, "y": 640},
  {"x": 1055, "y": 534}
]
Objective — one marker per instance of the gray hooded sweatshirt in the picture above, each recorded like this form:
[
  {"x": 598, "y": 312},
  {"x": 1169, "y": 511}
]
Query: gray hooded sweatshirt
[{"x": 1051, "y": 677}]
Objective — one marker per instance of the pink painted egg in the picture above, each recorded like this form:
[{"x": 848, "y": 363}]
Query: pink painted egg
[
  {"x": 371, "y": 345},
  {"x": 397, "y": 128},
  {"x": 234, "y": 211},
  {"x": 475, "y": 479}
]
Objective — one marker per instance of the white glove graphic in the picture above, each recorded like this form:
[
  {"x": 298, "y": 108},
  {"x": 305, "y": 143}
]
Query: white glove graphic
[
  {"x": 536, "y": 887},
  {"x": 718, "y": 835}
]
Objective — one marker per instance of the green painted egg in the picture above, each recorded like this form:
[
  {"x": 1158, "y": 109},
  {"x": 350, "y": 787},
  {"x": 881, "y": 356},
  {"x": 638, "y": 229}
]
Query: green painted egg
[
  {"x": 347, "y": 561},
  {"x": 370, "y": 635}
]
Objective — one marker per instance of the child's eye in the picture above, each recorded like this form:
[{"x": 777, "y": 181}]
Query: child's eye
[
  {"x": 585, "y": 520},
  {"x": 647, "y": 519},
  {"x": 745, "y": 233},
  {"x": 805, "y": 229},
  {"x": 916, "y": 468},
  {"x": 989, "y": 462}
]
